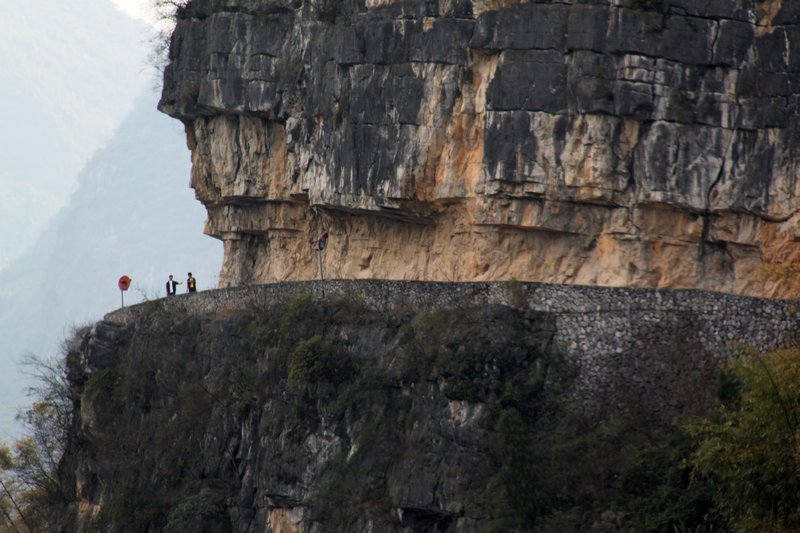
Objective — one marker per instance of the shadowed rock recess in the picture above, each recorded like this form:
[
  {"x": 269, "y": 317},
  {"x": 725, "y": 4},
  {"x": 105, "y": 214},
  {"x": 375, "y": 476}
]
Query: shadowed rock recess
[{"x": 625, "y": 143}]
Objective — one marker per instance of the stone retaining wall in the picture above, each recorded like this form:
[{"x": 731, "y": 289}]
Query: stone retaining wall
[{"x": 658, "y": 349}]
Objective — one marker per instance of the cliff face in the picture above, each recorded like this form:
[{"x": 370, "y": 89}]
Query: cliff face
[
  {"x": 297, "y": 418},
  {"x": 395, "y": 407},
  {"x": 625, "y": 143}
]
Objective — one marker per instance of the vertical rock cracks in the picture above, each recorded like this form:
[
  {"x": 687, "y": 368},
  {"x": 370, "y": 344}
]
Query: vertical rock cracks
[{"x": 615, "y": 143}]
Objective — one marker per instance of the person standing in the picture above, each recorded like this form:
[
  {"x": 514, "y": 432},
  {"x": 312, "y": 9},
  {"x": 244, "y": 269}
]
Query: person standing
[
  {"x": 171, "y": 286},
  {"x": 191, "y": 284}
]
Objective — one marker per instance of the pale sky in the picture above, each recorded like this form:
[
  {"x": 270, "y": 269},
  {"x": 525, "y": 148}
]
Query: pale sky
[{"x": 139, "y": 9}]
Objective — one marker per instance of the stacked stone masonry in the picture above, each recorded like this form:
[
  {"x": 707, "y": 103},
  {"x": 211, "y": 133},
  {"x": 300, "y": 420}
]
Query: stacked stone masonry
[
  {"x": 649, "y": 343},
  {"x": 613, "y": 143}
]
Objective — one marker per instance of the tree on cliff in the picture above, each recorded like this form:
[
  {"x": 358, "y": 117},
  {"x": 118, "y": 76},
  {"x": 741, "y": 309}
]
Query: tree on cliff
[
  {"x": 749, "y": 451},
  {"x": 166, "y": 12},
  {"x": 28, "y": 470}
]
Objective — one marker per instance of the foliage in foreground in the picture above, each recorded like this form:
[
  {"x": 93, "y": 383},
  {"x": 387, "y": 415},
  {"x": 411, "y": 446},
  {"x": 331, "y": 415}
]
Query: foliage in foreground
[
  {"x": 749, "y": 452},
  {"x": 29, "y": 482}
]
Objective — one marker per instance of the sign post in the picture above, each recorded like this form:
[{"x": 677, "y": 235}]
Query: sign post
[
  {"x": 124, "y": 283},
  {"x": 322, "y": 243}
]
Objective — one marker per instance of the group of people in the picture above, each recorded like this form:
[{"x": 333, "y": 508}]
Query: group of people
[{"x": 172, "y": 285}]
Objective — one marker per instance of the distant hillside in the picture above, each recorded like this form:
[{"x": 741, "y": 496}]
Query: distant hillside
[
  {"x": 132, "y": 213},
  {"x": 71, "y": 71}
]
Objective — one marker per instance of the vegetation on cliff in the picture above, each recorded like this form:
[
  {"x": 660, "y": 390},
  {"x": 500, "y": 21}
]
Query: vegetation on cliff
[
  {"x": 30, "y": 486},
  {"x": 748, "y": 451},
  {"x": 333, "y": 417}
]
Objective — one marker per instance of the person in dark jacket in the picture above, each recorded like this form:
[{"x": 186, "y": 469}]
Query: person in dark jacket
[
  {"x": 171, "y": 286},
  {"x": 191, "y": 284}
]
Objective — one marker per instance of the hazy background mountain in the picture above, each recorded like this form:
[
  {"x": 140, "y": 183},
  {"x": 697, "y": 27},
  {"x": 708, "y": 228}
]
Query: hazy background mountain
[
  {"x": 70, "y": 72},
  {"x": 132, "y": 213},
  {"x": 72, "y": 222}
]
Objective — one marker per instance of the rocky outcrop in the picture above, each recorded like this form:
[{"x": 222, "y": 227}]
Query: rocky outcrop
[
  {"x": 344, "y": 422},
  {"x": 392, "y": 406},
  {"x": 624, "y": 143}
]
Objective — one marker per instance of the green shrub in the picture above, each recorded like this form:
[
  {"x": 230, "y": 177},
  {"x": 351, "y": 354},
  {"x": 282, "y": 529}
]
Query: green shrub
[
  {"x": 516, "y": 494},
  {"x": 749, "y": 451},
  {"x": 204, "y": 512},
  {"x": 315, "y": 360},
  {"x": 298, "y": 311},
  {"x": 658, "y": 491},
  {"x": 101, "y": 384}
]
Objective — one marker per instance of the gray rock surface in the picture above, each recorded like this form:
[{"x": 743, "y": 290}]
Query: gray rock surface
[
  {"x": 242, "y": 436},
  {"x": 381, "y": 405},
  {"x": 664, "y": 134}
]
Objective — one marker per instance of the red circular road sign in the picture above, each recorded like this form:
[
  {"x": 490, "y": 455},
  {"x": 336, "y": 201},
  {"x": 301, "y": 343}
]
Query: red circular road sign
[{"x": 124, "y": 283}]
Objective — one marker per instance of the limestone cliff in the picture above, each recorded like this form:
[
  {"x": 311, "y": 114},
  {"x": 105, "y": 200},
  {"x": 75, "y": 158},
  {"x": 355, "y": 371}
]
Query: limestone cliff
[{"x": 612, "y": 142}]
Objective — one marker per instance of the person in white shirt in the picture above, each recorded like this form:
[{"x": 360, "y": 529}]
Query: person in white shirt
[{"x": 171, "y": 286}]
